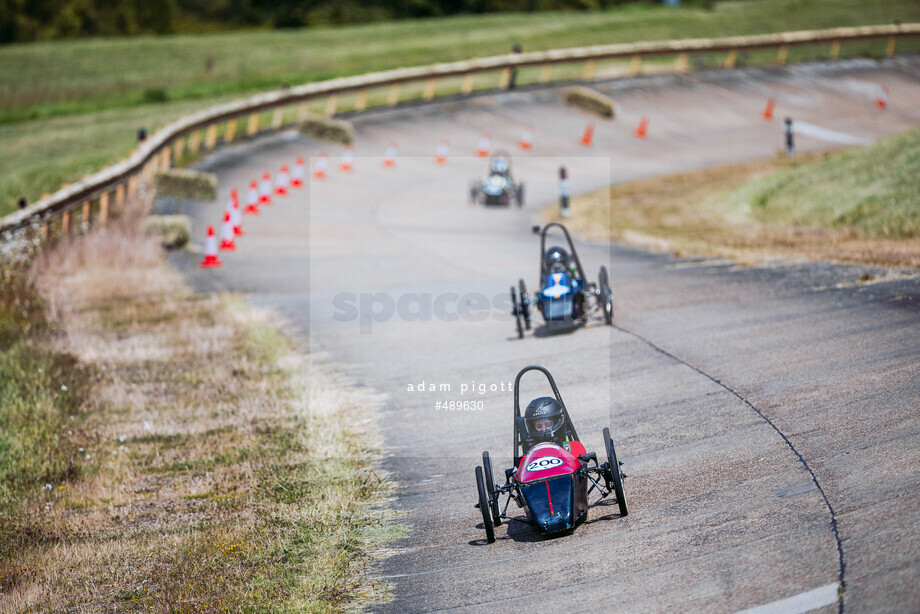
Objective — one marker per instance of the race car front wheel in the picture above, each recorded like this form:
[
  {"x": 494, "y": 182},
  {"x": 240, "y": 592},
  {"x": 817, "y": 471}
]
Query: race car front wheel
[
  {"x": 614, "y": 469},
  {"x": 490, "y": 489},
  {"x": 606, "y": 295},
  {"x": 516, "y": 310},
  {"x": 484, "y": 507}
]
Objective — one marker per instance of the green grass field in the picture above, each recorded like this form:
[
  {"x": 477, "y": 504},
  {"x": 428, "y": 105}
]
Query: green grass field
[{"x": 109, "y": 87}]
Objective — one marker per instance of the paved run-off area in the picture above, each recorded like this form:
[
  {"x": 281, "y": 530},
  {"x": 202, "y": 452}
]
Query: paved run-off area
[{"x": 766, "y": 416}]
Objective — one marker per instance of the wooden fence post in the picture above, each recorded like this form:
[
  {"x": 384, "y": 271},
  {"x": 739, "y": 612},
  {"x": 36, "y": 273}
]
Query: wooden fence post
[
  {"x": 430, "y": 86},
  {"x": 86, "y": 212},
  {"x": 546, "y": 72},
  {"x": 361, "y": 100},
  {"x": 393, "y": 98},
  {"x": 331, "y": 105},
  {"x": 588, "y": 75},
  {"x": 467, "y": 85},
  {"x": 211, "y": 138},
  {"x": 103, "y": 208},
  {"x": 253, "y": 126}
]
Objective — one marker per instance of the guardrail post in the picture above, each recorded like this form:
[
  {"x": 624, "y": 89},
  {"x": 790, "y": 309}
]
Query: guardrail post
[
  {"x": 546, "y": 71},
  {"x": 588, "y": 75},
  {"x": 635, "y": 65},
  {"x": 782, "y": 53},
  {"x": 86, "y": 211},
  {"x": 681, "y": 63},
  {"x": 277, "y": 118},
  {"x": 253, "y": 125},
  {"x": 230, "y": 132},
  {"x": 178, "y": 148},
  {"x": 467, "y": 86},
  {"x": 731, "y": 58},
  {"x": 889, "y": 50},
  {"x": 835, "y": 50},
  {"x": 211, "y": 139},
  {"x": 65, "y": 223},
  {"x": 331, "y": 105},
  {"x": 303, "y": 111},
  {"x": 505, "y": 79},
  {"x": 194, "y": 142},
  {"x": 166, "y": 157},
  {"x": 46, "y": 231},
  {"x": 361, "y": 100},
  {"x": 104, "y": 208},
  {"x": 393, "y": 97},
  {"x": 120, "y": 196},
  {"x": 430, "y": 87}
]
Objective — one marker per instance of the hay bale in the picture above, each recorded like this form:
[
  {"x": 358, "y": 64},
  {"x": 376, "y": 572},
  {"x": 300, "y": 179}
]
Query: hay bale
[
  {"x": 327, "y": 129},
  {"x": 186, "y": 184},
  {"x": 173, "y": 231},
  {"x": 589, "y": 100}
]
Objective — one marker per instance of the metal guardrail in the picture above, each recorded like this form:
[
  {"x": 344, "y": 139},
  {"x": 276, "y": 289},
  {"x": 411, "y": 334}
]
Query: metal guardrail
[{"x": 94, "y": 196}]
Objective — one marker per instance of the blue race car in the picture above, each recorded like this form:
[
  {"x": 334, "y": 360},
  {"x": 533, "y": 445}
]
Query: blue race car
[{"x": 565, "y": 298}]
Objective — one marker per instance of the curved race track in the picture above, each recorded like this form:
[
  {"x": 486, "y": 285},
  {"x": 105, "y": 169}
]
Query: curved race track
[{"x": 766, "y": 416}]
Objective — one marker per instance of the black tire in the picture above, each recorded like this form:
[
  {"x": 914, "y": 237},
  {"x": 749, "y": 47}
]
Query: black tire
[
  {"x": 525, "y": 307},
  {"x": 519, "y": 195},
  {"x": 484, "y": 507},
  {"x": 490, "y": 489},
  {"x": 615, "y": 477},
  {"x": 516, "y": 312},
  {"x": 606, "y": 295}
]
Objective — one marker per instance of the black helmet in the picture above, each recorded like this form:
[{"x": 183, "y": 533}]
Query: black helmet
[
  {"x": 556, "y": 259},
  {"x": 545, "y": 418}
]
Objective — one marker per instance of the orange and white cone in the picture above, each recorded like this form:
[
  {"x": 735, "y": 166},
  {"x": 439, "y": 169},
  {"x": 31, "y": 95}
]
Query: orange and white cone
[
  {"x": 210, "y": 260},
  {"x": 252, "y": 199},
  {"x": 226, "y": 234},
  {"x": 588, "y": 136},
  {"x": 768, "y": 110},
  {"x": 389, "y": 155},
  {"x": 527, "y": 138},
  {"x": 297, "y": 173},
  {"x": 642, "y": 129},
  {"x": 322, "y": 164},
  {"x": 485, "y": 144},
  {"x": 440, "y": 154},
  {"x": 283, "y": 181},
  {"x": 882, "y": 100},
  {"x": 265, "y": 189},
  {"x": 347, "y": 164},
  {"x": 236, "y": 218}
]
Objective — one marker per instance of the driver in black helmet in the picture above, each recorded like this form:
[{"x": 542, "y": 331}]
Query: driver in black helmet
[{"x": 545, "y": 421}]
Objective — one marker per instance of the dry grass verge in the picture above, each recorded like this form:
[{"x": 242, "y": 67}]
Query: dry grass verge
[
  {"x": 697, "y": 214},
  {"x": 214, "y": 468}
]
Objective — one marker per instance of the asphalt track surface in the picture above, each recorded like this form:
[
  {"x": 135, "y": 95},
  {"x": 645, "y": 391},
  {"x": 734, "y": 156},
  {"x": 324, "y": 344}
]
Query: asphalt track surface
[{"x": 767, "y": 416}]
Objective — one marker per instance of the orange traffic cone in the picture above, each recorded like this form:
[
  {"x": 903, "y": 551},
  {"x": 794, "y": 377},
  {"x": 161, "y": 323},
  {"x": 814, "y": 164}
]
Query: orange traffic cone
[
  {"x": 347, "y": 163},
  {"x": 283, "y": 181},
  {"x": 768, "y": 110},
  {"x": 882, "y": 100},
  {"x": 527, "y": 138},
  {"x": 211, "y": 260},
  {"x": 265, "y": 189},
  {"x": 297, "y": 173},
  {"x": 588, "y": 137},
  {"x": 440, "y": 153},
  {"x": 236, "y": 218},
  {"x": 642, "y": 129},
  {"x": 322, "y": 163},
  {"x": 485, "y": 144},
  {"x": 252, "y": 199},
  {"x": 389, "y": 155},
  {"x": 226, "y": 234}
]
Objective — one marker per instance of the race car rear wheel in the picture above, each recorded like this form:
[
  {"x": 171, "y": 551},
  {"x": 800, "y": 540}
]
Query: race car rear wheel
[
  {"x": 490, "y": 489},
  {"x": 484, "y": 507},
  {"x": 606, "y": 295},
  {"x": 516, "y": 312},
  {"x": 525, "y": 306},
  {"x": 615, "y": 477}
]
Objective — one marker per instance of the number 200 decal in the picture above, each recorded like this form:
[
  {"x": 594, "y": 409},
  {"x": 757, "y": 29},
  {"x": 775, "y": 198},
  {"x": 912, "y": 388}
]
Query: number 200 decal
[{"x": 542, "y": 464}]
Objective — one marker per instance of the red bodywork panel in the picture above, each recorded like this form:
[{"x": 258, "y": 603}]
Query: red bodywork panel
[{"x": 546, "y": 460}]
